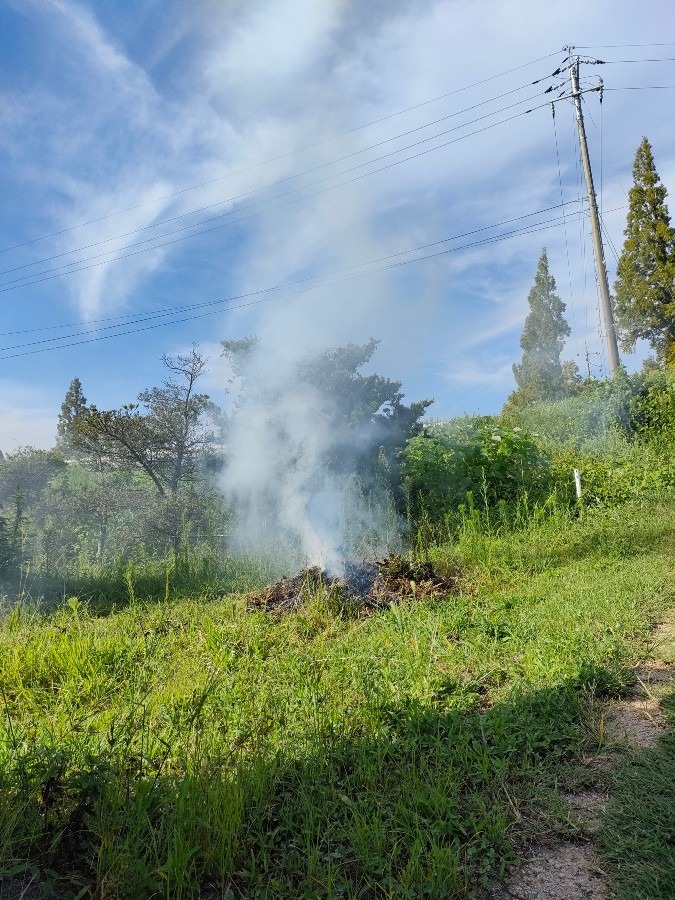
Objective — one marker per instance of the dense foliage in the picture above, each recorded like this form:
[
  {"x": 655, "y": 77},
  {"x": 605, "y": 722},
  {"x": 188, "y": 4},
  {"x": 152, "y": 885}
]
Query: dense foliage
[
  {"x": 619, "y": 434},
  {"x": 645, "y": 285},
  {"x": 481, "y": 457},
  {"x": 143, "y": 483},
  {"x": 364, "y": 413},
  {"x": 540, "y": 374}
]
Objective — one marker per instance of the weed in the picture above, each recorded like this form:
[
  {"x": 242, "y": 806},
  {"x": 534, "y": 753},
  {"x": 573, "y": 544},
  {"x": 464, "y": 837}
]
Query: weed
[
  {"x": 174, "y": 744},
  {"x": 637, "y": 834}
]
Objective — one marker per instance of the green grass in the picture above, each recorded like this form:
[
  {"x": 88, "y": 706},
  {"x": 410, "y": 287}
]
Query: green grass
[
  {"x": 638, "y": 831},
  {"x": 108, "y": 588},
  {"x": 160, "y": 749}
]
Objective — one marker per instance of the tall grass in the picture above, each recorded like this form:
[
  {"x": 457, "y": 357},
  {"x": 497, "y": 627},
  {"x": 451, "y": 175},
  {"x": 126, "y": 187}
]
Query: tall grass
[
  {"x": 140, "y": 577},
  {"x": 176, "y": 746}
]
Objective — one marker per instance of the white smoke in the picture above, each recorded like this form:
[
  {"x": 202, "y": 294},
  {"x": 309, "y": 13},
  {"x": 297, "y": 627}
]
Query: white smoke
[{"x": 291, "y": 474}]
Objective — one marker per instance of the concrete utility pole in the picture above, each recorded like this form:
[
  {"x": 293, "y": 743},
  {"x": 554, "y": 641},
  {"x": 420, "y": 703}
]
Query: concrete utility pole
[{"x": 601, "y": 269}]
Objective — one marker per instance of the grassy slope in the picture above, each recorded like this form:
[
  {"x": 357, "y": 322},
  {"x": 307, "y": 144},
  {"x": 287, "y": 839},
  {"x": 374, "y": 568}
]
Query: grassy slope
[
  {"x": 638, "y": 829},
  {"x": 169, "y": 746},
  {"x": 638, "y": 834}
]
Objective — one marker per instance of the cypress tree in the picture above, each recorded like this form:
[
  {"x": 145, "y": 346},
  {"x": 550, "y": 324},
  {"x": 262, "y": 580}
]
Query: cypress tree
[
  {"x": 72, "y": 408},
  {"x": 540, "y": 375},
  {"x": 645, "y": 284}
]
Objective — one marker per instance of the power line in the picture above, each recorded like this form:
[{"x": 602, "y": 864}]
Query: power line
[
  {"x": 393, "y": 265},
  {"x": 285, "y": 155},
  {"x": 161, "y": 313},
  {"x": 609, "y": 238},
  {"x": 152, "y": 313},
  {"x": 271, "y": 184},
  {"x": 646, "y": 87},
  {"x": 611, "y": 62},
  {"x": 619, "y": 46},
  {"x": 564, "y": 218},
  {"x": 30, "y": 280}
]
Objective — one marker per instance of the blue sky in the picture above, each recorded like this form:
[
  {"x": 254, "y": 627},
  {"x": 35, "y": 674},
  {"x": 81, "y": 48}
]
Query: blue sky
[{"x": 126, "y": 115}]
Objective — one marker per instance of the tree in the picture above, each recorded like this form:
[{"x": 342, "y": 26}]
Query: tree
[
  {"x": 73, "y": 408},
  {"x": 645, "y": 284},
  {"x": 366, "y": 416},
  {"x": 312, "y": 454},
  {"x": 165, "y": 439},
  {"x": 164, "y": 435},
  {"x": 27, "y": 472},
  {"x": 541, "y": 375},
  {"x": 6, "y": 550},
  {"x": 24, "y": 478}
]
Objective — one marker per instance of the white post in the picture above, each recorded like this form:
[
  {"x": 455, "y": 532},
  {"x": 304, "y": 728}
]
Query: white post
[{"x": 577, "y": 483}]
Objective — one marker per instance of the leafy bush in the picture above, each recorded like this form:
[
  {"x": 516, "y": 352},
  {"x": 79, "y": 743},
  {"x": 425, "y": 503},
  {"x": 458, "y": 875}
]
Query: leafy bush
[
  {"x": 586, "y": 420},
  {"x": 477, "y": 456},
  {"x": 653, "y": 410},
  {"x": 620, "y": 434},
  {"x": 624, "y": 471}
]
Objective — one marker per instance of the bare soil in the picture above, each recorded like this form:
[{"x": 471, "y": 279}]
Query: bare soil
[
  {"x": 564, "y": 871},
  {"x": 572, "y": 870}
]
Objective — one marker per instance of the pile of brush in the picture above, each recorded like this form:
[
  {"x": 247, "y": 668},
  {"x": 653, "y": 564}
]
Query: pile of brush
[{"x": 368, "y": 586}]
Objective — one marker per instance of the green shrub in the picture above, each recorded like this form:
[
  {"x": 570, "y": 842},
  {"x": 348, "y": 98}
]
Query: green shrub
[
  {"x": 653, "y": 410},
  {"x": 629, "y": 473},
  {"x": 587, "y": 420},
  {"x": 472, "y": 456}
]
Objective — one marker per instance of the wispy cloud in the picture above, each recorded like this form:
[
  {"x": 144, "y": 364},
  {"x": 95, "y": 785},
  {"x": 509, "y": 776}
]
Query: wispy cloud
[{"x": 124, "y": 110}]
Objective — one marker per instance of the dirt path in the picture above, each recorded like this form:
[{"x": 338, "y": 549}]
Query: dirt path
[{"x": 572, "y": 870}]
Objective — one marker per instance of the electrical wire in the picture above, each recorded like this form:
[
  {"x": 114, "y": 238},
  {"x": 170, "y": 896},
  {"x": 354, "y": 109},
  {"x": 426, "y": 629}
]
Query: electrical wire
[
  {"x": 529, "y": 230},
  {"x": 602, "y": 157},
  {"x": 609, "y": 238},
  {"x": 646, "y": 87},
  {"x": 619, "y": 46},
  {"x": 274, "y": 183},
  {"x": 564, "y": 218},
  {"x": 31, "y": 280},
  {"x": 162, "y": 313},
  {"x": 611, "y": 62},
  {"x": 516, "y": 233},
  {"x": 581, "y": 199},
  {"x": 152, "y": 313},
  {"x": 290, "y": 152}
]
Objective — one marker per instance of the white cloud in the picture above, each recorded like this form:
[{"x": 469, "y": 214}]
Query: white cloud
[{"x": 222, "y": 87}]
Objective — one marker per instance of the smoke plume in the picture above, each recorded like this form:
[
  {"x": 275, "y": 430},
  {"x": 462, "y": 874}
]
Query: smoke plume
[{"x": 310, "y": 453}]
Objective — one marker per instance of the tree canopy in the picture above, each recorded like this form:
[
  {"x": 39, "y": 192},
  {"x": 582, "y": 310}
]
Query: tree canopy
[
  {"x": 366, "y": 414},
  {"x": 164, "y": 436},
  {"x": 149, "y": 477},
  {"x": 645, "y": 284},
  {"x": 73, "y": 408},
  {"x": 541, "y": 375},
  {"x": 164, "y": 433}
]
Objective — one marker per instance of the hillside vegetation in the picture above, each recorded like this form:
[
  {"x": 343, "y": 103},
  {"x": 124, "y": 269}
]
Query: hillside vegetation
[{"x": 161, "y": 738}]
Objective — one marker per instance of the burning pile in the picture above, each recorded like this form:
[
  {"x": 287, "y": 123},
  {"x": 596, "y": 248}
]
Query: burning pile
[{"x": 369, "y": 586}]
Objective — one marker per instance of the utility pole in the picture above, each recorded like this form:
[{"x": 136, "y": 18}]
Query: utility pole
[
  {"x": 601, "y": 269},
  {"x": 587, "y": 357}
]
